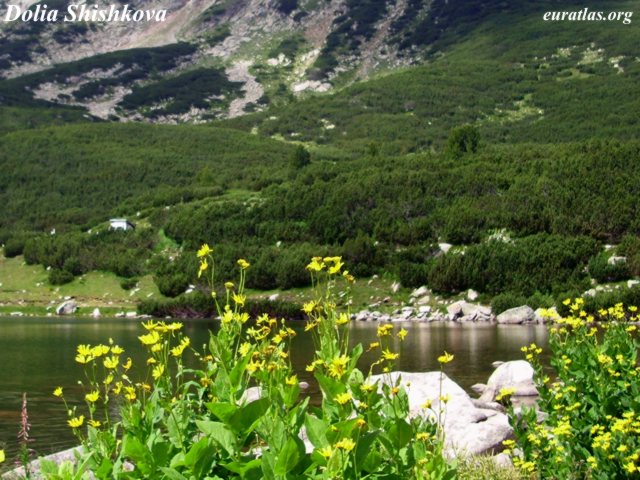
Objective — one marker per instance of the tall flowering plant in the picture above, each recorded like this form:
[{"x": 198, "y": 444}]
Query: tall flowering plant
[
  {"x": 590, "y": 399},
  {"x": 239, "y": 412}
]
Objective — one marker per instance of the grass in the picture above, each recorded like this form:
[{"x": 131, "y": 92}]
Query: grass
[
  {"x": 485, "y": 468},
  {"x": 25, "y": 288}
]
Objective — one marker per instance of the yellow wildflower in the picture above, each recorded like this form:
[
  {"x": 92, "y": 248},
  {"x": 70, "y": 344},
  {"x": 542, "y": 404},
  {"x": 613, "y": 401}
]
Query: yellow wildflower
[
  {"x": 326, "y": 452},
  {"x": 229, "y": 285},
  {"x": 446, "y": 358},
  {"x": 157, "y": 371},
  {"x": 402, "y": 334},
  {"x": 57, "y": 392},
  {"x": 337, "y": 264},
  {"x": 127, "y": 364},
  {"x": 243, "y": 264},
  {"x": 309, "y": 307},
  {"x": 338, "y": 366},
  {"x": 342, "y": 319},
  {"x": 92, "y": 397},
  {"x": 346, "y": 444},
  {"x": 203, "y": 267},
  {"x": 150, "y": 325},
  {"x": 343, "y": 398},
  {"x": 111, "y": 362},
  {"x": 388, "y": 355},
  {"x": 292, "y": 380},
  {"x": 116, "y": 350},
  {"x": 2, "y": 456},
  {"x": 505, "y": 393},
  {"x": 150, "y": 338},
  {"x": 316, "y": 264},
  {"x": 95, "y": 423},
  {"x": 84, "y": 359},
  {"x": 84, "y": 350},
  {"x": 384, "y": 330},
  {"x": 423, "y": 436},
  {"x": 239, "y": 299},
  {"x": 204, "y": 251},
  {"x": 130, "y": 393},
  {"x": 76, "y": 422}
]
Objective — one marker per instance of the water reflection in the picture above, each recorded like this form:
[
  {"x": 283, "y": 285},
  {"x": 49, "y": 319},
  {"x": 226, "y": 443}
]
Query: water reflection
[{"x": 36, "y": 355}]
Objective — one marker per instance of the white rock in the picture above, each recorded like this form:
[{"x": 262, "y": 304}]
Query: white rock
[
  {"x": 516, "y": 374},
  {"x": 96, "y": 313},
  {"x": 274, "y": 297},
  {"x": 420, "y": 292},
  {"x": 444, "y": 247},
  {"x": 472, "y": 295},
  {"x": 68, "y": 307},
  {"x": 467, "y": 428},
  {"x": 630, "y": 283},
  {"x": 131, "y": 314},
  {"x": 517, "y": 315},
  {"x": 615, "y": 260}
]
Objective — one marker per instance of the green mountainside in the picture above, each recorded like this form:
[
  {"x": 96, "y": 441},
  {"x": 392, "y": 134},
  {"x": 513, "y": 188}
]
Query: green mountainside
[{"x": 512, "y": 138}]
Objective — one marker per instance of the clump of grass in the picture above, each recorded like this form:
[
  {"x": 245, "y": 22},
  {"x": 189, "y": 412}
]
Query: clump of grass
[{"x": 485, "y": 468}]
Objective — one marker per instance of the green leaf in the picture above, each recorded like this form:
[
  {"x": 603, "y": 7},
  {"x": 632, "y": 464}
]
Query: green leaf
[
  {"x": 219, "y": 433},
  {"x": 222, "y": 410},
  {"x": 246, "y": 470},
  {"x": 244, "y": 420},
  {"x": 289, "y": 456},
  {"x": 400, "y": 433},
  {"x": 330, "y": 387},
  {"x": 316, "y": 431},
  {"x": 364, "y": 447},
  {"x": 172, "y": 474},
  {"x": 200, "y": 457},
  {"x": 235, "y": 377},
  {"x": 356, "y": 353},
  {"x": 139, "y": 454}
]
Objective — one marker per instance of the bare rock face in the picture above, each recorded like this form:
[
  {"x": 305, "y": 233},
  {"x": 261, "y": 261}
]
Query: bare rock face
[
  {"x": 468, "y": 429},
  {"x": 517, "y": 374}
]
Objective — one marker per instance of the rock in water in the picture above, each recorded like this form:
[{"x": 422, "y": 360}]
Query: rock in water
[
  {"x": 523, "y": 314},
  {"x": 516, "y": 374},
  {"x": 67, "y": 307},
  {"x": 468, "y": 429}
]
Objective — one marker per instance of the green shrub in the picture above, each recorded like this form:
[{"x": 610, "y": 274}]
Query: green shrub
[
  {"x": 128, "y": 283},
  {"x": 505, "y": 301},
  {"x": 59, "y": 277},
  {"x": 13, "y": 247},
  {"x": 603, "y": 271}
]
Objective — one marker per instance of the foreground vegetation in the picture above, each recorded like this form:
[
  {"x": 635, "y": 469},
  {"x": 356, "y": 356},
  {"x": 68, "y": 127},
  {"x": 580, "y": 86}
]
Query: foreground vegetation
[
  {"x": 590, "y": 399},
  {"x": 206, "y": 422}
]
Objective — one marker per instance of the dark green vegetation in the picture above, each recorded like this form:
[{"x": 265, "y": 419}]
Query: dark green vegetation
[
  {"x": 182, "y": 92},
  {"x": 524, "y": 153},
  {"x": 124, "y": 67}
]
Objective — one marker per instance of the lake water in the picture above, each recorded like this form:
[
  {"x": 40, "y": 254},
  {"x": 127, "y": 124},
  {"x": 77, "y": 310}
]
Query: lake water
[{"x": 37, "y": 355}]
